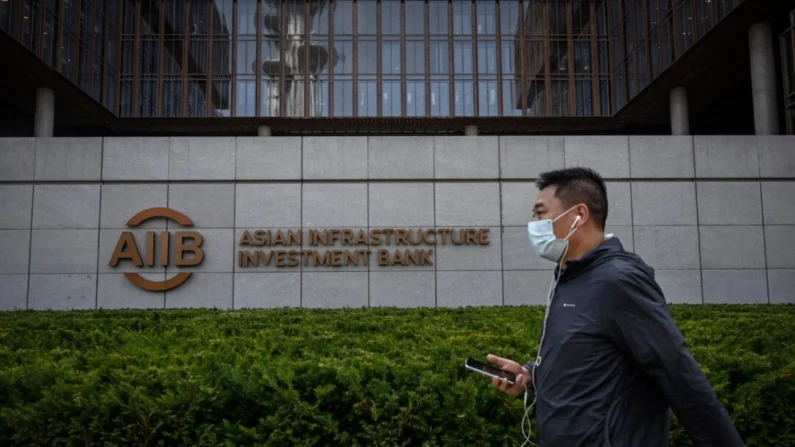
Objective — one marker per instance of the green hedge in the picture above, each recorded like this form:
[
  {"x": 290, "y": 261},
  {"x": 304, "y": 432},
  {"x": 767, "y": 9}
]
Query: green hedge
[{"x": 376, "y": 377}]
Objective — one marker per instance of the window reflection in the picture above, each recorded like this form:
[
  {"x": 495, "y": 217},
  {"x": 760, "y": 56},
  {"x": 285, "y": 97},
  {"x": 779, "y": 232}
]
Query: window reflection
[{"x": 301, "y": 58}]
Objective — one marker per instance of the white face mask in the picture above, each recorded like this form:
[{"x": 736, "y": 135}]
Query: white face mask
[{"x": 542, "y": 238}]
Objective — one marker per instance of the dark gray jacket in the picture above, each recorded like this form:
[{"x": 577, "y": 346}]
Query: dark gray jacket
[{"x": 613, "y": 362}]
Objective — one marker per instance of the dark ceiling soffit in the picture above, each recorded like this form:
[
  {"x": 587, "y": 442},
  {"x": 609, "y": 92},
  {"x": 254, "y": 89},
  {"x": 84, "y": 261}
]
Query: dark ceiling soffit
[{"x": 710, "y": 67}]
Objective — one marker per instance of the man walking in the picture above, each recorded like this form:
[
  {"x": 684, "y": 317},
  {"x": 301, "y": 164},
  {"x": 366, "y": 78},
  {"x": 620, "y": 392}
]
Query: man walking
[{"x": 611, "y": 360}]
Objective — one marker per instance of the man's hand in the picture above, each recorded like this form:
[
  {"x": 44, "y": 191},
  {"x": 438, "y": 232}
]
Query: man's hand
[{"x": 523, "y": 376}]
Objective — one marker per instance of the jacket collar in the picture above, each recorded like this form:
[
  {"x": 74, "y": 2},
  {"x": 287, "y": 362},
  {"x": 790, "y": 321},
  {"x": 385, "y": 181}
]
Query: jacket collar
[{"x": 610, "y": 245}]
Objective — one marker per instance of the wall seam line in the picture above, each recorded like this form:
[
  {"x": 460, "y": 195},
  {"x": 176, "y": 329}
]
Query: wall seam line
[
  {"x": 30, "y": 229},
  {"x": 764, "y": 230}
]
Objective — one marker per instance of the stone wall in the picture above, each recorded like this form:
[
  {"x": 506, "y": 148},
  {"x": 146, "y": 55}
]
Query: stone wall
[{"x": 714, "y": 215}]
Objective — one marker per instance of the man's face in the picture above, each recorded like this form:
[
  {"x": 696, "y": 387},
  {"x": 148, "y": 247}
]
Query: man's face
[{"x": 547, "y": 206}]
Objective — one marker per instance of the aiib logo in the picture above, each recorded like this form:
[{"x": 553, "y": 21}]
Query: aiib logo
[{"x": 157, "y": 249}]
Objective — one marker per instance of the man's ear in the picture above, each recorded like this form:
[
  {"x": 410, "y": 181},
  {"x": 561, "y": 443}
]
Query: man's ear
[{"x": 583, "y": 213}]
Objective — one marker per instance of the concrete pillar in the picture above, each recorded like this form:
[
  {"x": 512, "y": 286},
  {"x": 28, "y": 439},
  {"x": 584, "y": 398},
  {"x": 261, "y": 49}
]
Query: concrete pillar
[
  {"x": 44, "y": 119},
  {"x": 680, "y": 114},
  {"x": 264, "y": 131},
  {"x": 763, "y": 78},
  {"x": 471, "y": 130}
]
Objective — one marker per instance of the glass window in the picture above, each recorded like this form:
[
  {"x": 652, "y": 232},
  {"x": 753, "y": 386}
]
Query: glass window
[
  {"x": 556, "y": 18},
  {"x": 560, "y": 97},
  {"x": 5, "y": 16},
  {"x": 390, "y": 18},
  {"x": 343, "y": 96},
  {"x": 582, "y": 56},
  {"x": 345, "y": 51},
  {"x": 511, "y": 97},
  {"x": 368, "y": 98},
  {"x": 604, "y": 98},
  {"x": 437, "y": 18},
  {"x": 509, "y": 17},
  {"x": 247, "y": 56},
  {"x": 685, "y": 22},
  {"x": 367, "y": 16},
  {"x": 462, "y": 18},
  {"x": 487, "y": 57},
  {"x": 462, "y": 58},
  {"x": 390, "y": 57},
  {"x": 439, "y": 57},
  {"x": 703, "y": 17},
  {"x": 787, "y": 61},
  {"x": 244, "y": 97},
  {"x": 486, "y": 18},
  {"x": 147, "y": 97},
  {"x": 440, "y": 98},
  {"x": 391, "y": 97},
  {"x": 343, "y": 18},
  {"x": 510, "y": 61},
  {"x": 172, "y": 97},
  {"x": 464, "y": 95},
  {"x": 415, "y": 18},
  {"x": 487, "y": 98},
  {"x": 415, "y": 57},
  {"x": 368, "y": 57},
  {"x": 583, "y": 97},
  {"x": 415, "y": 97},
  {"x": 197, "y": 97}
]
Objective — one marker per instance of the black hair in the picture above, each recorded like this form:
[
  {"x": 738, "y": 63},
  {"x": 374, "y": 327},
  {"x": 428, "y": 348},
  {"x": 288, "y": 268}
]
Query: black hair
[{"x": 578, "y": 185}]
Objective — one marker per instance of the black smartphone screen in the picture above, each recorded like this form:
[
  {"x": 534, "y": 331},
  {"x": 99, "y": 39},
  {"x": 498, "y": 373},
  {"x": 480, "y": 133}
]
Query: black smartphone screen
[{"x": 490, "y": 369}]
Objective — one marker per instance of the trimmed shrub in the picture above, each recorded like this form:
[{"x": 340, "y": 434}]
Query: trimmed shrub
[{"x": 373, "y": 377}]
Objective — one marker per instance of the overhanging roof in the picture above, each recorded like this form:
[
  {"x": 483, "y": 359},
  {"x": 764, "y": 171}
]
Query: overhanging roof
[{"x": 711, "y": 67}]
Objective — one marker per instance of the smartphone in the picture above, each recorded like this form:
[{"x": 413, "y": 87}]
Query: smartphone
[{"x": 489, "y": 370}]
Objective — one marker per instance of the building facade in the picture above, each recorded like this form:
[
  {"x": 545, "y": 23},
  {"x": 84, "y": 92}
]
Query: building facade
[{"x": 267, "y": 153}]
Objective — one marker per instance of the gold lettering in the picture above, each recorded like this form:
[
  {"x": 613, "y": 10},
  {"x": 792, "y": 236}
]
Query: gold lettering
[
  {"x": 292, "y": 258},
  {"x": 325, "y": 260},
  {"x": 351, "y": 257},
  {"x": 279, "y": 239},
  {"x": 400, "y": 237},
  {"x": 150, "y": 248},
  {"x": 427, "y": 239},
  {"x": 366, "y": 256},
  {"x": 246, "y": 238},
  {"x": 383, "y": 258},
  {"x": 460, "y": 238},
  {"x": 244, "y": 258},
  {"x": 280, "y": 258},
  {"x": 375, "y": 237},
  {"x": 484, "y": 236},
  {"x": 294, "y": 237},
  {"x": 261, "y": 238},
  {"x": 195, "y": 248},
  {"x": 426, "y": 257},
  {"x": 398, "y": 258},
  {"x": 305, "y": 254},
  {"x": 336, "y": 258},
  {"x": 361, "y": 238},
  {"x": 164, "y": 248},
  {"x": 318, "y": 237},
  {"x": 126, "y": 241},
  {"x": 347, "y": 237},
  {"x": 444, "y": 232},
  {"x": 418, "y": 240},
  {"x": 265, "y": 257}
]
